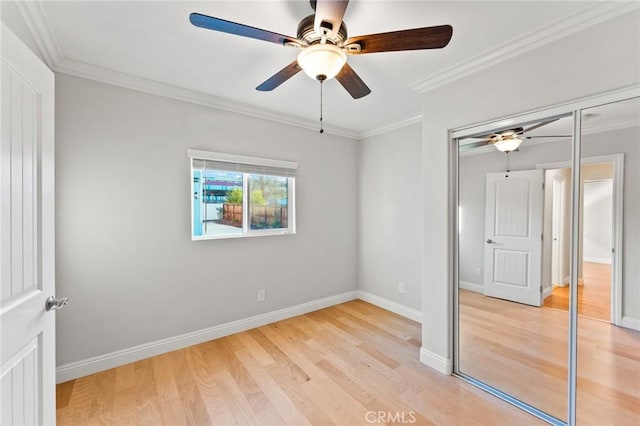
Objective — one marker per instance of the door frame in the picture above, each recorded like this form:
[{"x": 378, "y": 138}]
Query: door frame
[
  {"x": 557, "y": 257},
  {"x": 617, "y": 233}
]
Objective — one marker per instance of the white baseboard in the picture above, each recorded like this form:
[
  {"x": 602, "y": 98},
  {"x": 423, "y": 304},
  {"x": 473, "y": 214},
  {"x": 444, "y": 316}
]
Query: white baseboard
[
  {"x": 390, "y": 305},
  {"x": 632, "y": 323},
  {"x": 604, "y": 260},
  {"x": 476, "y": 288},
  {"x": 114, "y": 359},
  {"x": 546, "y": 292},
  {"x": 439, "y": 363}
]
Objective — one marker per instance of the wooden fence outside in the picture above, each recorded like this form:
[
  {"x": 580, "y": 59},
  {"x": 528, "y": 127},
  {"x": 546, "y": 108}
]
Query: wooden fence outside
[
  {"x": 262, "y": 217},
  {"x": 232, "y": 213},
  {"x": 268, "y": 217}
]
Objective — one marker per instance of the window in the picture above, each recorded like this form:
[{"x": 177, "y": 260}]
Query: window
[{"x": 239, "y": 196}]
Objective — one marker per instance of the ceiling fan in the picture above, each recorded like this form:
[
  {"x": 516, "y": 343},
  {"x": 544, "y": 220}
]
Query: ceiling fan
[
  {"x": 510, "y": 139},
  {"x": 324, "y": 44}
]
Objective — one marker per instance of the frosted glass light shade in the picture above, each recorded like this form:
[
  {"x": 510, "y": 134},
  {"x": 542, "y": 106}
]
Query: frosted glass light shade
[
  {"x": 508, "y": 144},
  {"x": 322, "y": 60}
]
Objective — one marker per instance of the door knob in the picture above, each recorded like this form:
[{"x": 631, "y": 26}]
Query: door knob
[
  {"x": 489, "y": 241},
  {"x": 53, "y": 304}
]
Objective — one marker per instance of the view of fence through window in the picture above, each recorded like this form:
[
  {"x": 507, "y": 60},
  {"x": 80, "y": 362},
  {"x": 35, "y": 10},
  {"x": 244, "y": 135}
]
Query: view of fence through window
[
  {"x": 219, "y": 202},
  {"x": 268, "y": 202}
]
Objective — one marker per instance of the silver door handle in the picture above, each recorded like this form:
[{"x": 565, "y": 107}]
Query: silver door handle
[
  {"x": 53, "y": 304},
  {"x": 489, "y": 241}
]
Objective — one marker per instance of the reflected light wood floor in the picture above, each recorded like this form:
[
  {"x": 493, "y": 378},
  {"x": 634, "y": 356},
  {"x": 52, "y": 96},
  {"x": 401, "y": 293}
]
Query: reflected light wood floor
[
  {"x": 332, "y": 366},
  {"x": 594, "y": 297},
  {"x": 522, "y": 350}
]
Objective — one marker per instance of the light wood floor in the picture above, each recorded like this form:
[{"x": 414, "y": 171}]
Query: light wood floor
[
  {"x": 332, "y": 366},
  {"x": 594, "y": 297},
  {"x": 522, "y": 350}
]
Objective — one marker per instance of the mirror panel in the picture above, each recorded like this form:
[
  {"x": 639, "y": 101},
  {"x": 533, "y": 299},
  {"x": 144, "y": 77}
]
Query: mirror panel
[
  {"x": 511, "y": 333},
  {"x": 608, "y": 293}
]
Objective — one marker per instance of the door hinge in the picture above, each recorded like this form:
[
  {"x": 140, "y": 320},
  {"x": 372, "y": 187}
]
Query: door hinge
[
  {"x": 543, "y": 185},
  {"x": 541, "y": 237}
]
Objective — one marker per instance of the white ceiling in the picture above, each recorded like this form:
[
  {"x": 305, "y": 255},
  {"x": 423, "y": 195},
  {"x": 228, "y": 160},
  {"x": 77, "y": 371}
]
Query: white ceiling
[{"x": 155, "y": 41}]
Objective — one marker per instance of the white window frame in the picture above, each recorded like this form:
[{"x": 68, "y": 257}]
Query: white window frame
[{"x": 252, "y": 163}]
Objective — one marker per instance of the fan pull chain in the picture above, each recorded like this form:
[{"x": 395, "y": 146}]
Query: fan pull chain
[
  {"x": 507, "y": 172},
  {"x": 321, "y": 128}
]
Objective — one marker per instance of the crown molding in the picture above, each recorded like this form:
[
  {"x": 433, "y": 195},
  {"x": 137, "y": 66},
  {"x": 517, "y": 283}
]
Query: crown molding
[
  {"x": 38, "y": 24},
  {"x": 36, "y": 20},
  {"x": 129, "y": 81},
  {"x": 40, "y": 28},
  {"x": 407, "y": 121},
  {"x": 561, "y": 28}
]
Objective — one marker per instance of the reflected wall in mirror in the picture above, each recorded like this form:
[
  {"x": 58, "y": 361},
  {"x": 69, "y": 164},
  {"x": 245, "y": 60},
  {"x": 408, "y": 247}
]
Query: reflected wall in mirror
[
  {"x": 513, "y": 248},
  {"x": 608, "y": 350}
]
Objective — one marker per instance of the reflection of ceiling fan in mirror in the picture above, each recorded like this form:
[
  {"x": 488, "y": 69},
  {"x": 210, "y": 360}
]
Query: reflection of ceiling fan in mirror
[{"x": 510, "y": 139}]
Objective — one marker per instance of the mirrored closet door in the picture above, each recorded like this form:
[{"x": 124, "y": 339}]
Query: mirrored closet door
[
  {"x": 608, "y": 290},
  {"x": 507, "y": 338},
  {"x": 548, "y": 209}
]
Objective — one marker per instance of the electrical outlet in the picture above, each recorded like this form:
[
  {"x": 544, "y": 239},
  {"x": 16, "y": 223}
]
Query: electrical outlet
[
  {"x": 401, "y": 287},
  {"x": 262, "y": 295},
  {"x": 478, "y": 272}
]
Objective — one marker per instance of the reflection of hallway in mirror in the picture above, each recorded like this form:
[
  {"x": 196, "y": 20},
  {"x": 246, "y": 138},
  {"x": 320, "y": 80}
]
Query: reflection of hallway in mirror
[
  {"x": 522, "y": 350},
  {"x": 594, "y": 296}
]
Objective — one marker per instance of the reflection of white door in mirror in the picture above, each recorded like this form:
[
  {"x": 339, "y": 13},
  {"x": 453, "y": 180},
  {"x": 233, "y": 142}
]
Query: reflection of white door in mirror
[{"x": 513, "y": 236}]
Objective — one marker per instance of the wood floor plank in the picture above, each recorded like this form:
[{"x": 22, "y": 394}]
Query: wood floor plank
[
  {"x": 344, "y": 364},
  {"x": 124, "y": 407},
  {"x": 529, "y": 344},
  {"x": 172, "y": 412},
  {"x": 239, "y": 406},
  {"x": 276, "y": 395},
  {"x": 63, "y": 393},
  {"x": 166, "y": 387},
  {"x": 594, "y": 295},
  {"x": 193, "y": 406}
]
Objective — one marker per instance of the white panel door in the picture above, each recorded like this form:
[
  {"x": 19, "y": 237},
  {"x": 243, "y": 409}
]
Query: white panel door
[
  {"x": 27, "y": 330},
  {"x": 513, "y": 236}
]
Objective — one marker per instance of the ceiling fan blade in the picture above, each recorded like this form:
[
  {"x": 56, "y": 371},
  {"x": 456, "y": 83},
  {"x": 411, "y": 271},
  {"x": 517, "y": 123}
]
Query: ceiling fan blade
[
  {"x": 547, "y": 136},
  {"x": 413, "y": 39},
  {"x": 217, "y": 24},
  {"x": 329, "y": 14},
  {"x": 280, "y": 77},
  {"x": 470, "y": 146},
  {"x": 348, "y": 78},
  {"x": 535, "y": 126}
]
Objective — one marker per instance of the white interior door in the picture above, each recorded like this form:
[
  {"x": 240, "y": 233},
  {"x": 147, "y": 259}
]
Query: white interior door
[
  {"x": 513, "y": 236},
  {"x": 27, "y": 364}
]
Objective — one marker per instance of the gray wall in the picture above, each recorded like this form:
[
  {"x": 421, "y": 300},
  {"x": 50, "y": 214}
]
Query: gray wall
[
  {"x": 598, "y": 198},
  {"x": 389, "y": 237},
  {"x": 124, "y": 254},
  {"x": 571, "y": 68}
]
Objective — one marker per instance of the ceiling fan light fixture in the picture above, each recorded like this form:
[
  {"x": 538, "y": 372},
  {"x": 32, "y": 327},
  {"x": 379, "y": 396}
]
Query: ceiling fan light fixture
[
  {"x": 322, "y": 61},
  {"x": 507, "y": 144}
]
